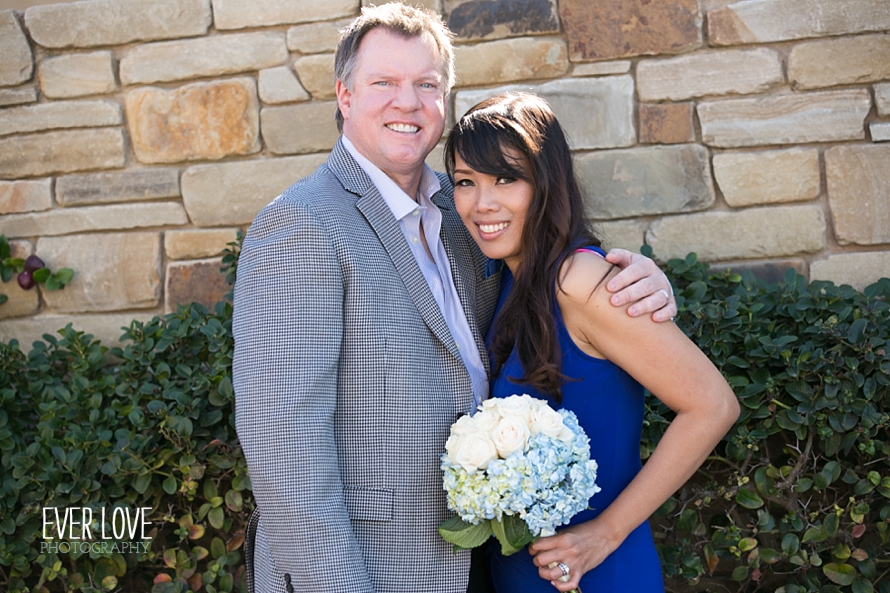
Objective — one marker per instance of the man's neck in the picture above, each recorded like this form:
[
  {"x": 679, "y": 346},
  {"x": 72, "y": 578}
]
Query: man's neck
[{"x": 408, "y": 183}]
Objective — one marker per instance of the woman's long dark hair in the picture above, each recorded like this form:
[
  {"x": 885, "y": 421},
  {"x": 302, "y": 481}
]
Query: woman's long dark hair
[{"x": 554, "y": 225}]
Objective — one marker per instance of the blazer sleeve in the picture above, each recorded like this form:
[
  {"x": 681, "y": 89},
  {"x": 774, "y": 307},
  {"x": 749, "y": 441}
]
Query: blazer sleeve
[{"x": 288, "y": 327}]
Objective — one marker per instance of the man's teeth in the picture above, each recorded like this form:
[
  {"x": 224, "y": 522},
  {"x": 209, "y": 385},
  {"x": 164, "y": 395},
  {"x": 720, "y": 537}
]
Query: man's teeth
[
  {"x": 402, "y": 128},
  {"x": 493, "y": 228}
]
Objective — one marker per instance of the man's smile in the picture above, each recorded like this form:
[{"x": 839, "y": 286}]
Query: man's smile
[{"x": 405, "y": 128}]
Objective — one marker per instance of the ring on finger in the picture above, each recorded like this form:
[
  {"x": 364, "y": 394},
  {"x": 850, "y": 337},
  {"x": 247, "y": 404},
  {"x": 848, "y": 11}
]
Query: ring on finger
[
  {"x": 667, "y": 297},
  {"x": 566, "y": 572}
]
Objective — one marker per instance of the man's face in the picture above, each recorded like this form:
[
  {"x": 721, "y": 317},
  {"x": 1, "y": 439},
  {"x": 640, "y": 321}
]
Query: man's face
[{"x": 395, "y": 112}]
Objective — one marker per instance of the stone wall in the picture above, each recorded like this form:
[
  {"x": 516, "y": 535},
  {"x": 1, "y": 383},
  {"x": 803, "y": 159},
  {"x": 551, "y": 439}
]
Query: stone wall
[{"x": 138, "y": 136}]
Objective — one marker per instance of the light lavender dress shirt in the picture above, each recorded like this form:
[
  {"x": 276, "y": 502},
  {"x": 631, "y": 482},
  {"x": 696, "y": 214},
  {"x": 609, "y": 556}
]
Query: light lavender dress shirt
[{"x": 410, "y": 215}]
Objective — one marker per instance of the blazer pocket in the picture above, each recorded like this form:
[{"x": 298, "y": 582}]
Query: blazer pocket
[{"x": 368, "y": 504}]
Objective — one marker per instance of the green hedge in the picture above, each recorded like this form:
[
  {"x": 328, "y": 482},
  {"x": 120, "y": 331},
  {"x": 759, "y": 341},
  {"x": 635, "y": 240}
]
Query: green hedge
[
  {"x": 795, "y": 498},
  {"x": 155, "y": 430},
  {"x": 148, "y": 425}
]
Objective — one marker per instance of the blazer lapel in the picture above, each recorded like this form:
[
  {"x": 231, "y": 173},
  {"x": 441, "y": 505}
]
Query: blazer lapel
[{"x": 375, "y": 210}]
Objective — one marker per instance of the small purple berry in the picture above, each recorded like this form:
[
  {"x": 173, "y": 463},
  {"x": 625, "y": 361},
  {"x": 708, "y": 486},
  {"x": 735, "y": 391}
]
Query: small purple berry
[
  {"x": 26, "y": 281},
  {"x": 33, "y": 263}
]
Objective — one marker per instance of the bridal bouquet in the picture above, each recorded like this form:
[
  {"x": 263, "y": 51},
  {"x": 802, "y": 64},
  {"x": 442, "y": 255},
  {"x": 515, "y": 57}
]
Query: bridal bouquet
[{"x": 517, "y": 469}]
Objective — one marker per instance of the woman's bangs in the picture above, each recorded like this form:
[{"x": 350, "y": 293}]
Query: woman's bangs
[{"x": 481, "y": 146}]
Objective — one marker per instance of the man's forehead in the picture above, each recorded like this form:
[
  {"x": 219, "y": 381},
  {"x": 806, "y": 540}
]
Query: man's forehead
[
  {"x": 379, "y": 35},
  {"x": 388, "y": 68}
]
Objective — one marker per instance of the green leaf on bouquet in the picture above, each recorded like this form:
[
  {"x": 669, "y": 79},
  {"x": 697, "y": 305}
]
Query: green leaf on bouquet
[
  {"x": 517, "y": 531},
  {"x": 464, "y": 535},
  {"x": 513, "y": 534}
]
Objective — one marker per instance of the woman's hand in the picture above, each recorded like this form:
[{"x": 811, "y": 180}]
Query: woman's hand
[
  {"x": 580, "y": 547},
  {"x": 642, "y": 284}
]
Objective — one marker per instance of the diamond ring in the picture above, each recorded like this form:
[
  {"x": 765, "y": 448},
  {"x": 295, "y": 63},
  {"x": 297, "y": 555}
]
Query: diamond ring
[{"x": 565, "y": 571}]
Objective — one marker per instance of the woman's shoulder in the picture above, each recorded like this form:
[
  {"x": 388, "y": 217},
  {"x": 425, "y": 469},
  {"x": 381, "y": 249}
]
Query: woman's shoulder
[
  {"x": 583, "y": 274},
  {"x": 583, "y": 299}
]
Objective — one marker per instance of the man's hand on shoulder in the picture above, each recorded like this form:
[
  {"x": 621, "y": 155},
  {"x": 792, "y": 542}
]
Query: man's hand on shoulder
[{"x": 641, "y": 283}]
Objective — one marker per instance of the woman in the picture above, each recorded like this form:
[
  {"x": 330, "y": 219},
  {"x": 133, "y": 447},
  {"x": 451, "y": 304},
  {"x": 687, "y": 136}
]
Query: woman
[{"x": 556, "y": 336}]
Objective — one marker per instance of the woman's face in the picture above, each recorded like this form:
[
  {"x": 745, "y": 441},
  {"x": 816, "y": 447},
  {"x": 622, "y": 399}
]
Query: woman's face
[{"x": 493, "y": 209}]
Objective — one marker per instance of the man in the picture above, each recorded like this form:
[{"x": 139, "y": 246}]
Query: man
[{"x": 360, "y": 311}]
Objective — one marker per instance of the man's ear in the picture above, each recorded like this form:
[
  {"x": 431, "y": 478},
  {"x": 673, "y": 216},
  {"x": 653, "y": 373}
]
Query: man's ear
[{"x": 344, "y": 97}]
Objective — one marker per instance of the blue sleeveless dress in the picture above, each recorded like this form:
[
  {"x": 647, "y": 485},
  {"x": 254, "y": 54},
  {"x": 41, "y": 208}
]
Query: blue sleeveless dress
[{"x": 609, "y": 406}]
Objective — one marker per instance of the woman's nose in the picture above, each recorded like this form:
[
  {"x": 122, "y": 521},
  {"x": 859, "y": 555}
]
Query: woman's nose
[{"x": 486, "y": 201}]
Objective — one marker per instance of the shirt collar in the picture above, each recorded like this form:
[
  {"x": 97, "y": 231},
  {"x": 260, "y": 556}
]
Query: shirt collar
[{"x": 398, "y": 201}]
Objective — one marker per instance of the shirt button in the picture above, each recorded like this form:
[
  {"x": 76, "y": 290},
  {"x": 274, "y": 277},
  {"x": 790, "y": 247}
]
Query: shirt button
[
  {"x": 415, "y": 213},
  {"x": 414, "y": 239}
]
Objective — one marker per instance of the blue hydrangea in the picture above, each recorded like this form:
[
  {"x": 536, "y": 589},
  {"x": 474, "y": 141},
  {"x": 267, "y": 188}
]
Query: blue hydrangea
[{"x": 546, "y": 484}]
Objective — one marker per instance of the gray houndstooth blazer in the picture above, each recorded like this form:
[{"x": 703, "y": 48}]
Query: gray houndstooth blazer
[{"x": 346, "y": 383}]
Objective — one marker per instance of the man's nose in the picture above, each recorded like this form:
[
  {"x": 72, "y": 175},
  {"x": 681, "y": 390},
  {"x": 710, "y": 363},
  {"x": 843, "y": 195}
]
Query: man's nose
[{"x": 407, "y": 97}]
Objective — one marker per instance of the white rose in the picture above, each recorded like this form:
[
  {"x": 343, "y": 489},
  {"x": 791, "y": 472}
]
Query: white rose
[
  {"x": 547, "y": 420},
  {"x": 538, "y": 402},
  {"x": 463, "y": 425},
  {"x": 516, "y": 405},
  {"x": 511, "y": 434},
  {"x": 486, "y": 420},
  {"x": 474, "y": 452},
  {"x": 491, "y": 404},
  {"x": 452, "y": 445}
]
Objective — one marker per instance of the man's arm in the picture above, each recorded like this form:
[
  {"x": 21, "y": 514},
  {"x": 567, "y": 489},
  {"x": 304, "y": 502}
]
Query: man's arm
[
  {"x": 642, "y": 283},
  {"x": 288, "y": 326}
]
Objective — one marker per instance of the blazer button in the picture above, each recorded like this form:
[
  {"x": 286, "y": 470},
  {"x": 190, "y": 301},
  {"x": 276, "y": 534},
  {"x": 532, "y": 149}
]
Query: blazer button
[{"x": 287, "y": 578}]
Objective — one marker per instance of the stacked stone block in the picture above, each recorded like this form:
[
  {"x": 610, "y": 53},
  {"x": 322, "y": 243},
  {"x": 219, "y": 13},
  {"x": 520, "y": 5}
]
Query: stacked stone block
[{"x": 137, "y": 137}]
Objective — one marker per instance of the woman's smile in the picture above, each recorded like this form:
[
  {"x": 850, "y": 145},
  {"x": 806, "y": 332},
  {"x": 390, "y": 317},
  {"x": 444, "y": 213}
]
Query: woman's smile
[{"x": 490, "y": 229}]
